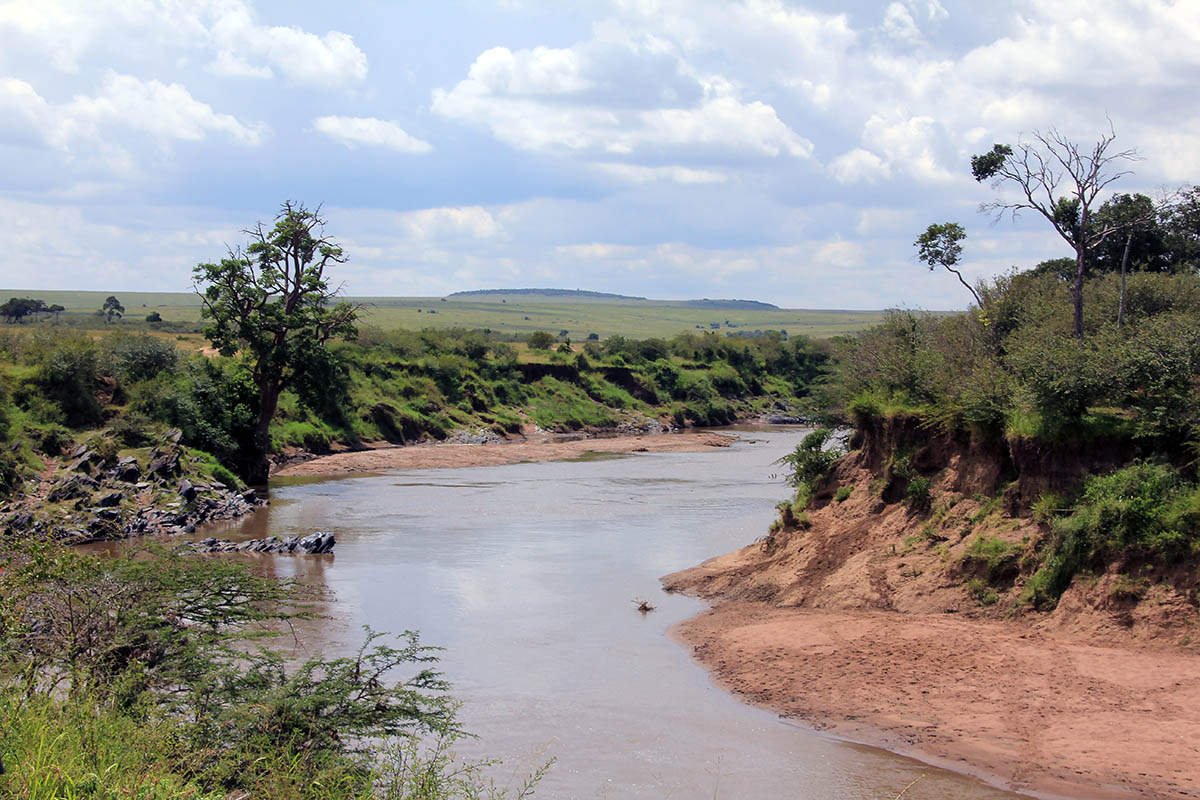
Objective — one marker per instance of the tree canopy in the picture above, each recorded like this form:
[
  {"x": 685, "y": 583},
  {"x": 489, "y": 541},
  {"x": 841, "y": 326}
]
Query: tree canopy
[
  {"x": 1060, "y": 180},
  {"x": 941, "y": 246},
  {"x": 271, "y": 304}
]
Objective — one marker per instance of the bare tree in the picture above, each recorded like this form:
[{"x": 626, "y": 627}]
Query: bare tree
[{"x": 1060, "y": 180}]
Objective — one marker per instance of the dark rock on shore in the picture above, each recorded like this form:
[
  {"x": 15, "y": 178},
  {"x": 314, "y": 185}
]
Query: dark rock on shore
[
  {"x": 156, "y": 491},
  {"x": 311, "y": 545}
]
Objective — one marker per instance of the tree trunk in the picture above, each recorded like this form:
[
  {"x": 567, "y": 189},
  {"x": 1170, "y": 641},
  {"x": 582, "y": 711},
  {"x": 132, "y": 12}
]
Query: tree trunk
[
  {"x": 1077, "y": 293},
  {"x": 1124, "y": 262},
  {"x": 258, "y": 466},
  {"x": 1080, "y": 261}
]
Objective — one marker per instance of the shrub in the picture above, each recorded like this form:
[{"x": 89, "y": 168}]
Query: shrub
[
  {"x": 843, "y": 494},
  {"x": 916, "y": 494},
  {"x": 811, "y": 460},
  {"x": 137, "y": 357},
  {"x": 67, "y": 373},
  {"x": 51, "y": 439},
  {"x": 155, "y": 649},
  {"x": 993, "y": 558},
  {"x": 132, "y": 429},
  {"x": 540, "y": 340},
  {"x": 1141, "y": 511}
]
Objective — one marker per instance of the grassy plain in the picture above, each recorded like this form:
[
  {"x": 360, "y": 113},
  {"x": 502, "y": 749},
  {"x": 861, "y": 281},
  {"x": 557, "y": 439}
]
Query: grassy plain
[{"x": 517, "y": 314}]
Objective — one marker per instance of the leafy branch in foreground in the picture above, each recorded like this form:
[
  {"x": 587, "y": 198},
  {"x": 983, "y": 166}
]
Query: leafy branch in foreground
[{"x": 175, "y": 643}]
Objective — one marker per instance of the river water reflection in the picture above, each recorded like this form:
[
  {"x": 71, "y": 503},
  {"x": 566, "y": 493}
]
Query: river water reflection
[{"x": 527, "y": 573}]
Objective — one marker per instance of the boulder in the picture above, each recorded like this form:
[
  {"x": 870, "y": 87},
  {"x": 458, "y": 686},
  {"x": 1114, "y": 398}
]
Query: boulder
[
  {"x": 72, "y": 487},
  {"x": 313, "y": 544},
  {"x": 127, "y": 470},
  {"x": 187, "y": 490},
  {"x": 84, "y": 462},
  {"x": 163, "y": 465},
  {"x": 109, "y": 500}
]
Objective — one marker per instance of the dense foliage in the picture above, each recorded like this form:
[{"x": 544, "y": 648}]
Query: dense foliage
[
  {"x": 1011, "y": 375},
  {"x": 146, "y": 675},
  {"x": 1013, "y": 367}
]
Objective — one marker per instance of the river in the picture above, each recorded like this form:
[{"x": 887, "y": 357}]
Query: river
[{"x": 527, "y": 574}]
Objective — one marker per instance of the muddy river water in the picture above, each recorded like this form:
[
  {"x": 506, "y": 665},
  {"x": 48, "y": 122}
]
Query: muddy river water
[{"x": 526, "y": 574}]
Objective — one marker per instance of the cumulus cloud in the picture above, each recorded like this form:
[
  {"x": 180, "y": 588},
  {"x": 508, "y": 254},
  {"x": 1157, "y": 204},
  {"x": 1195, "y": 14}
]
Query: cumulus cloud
[
  {"x": 352, "y": 131},
  {"x": 164, "y": 111},
  {"x": 841, "y": 254},
  {"x": 241, "y": 46},
  {"x": 430, "y": 223},
  {"x": 614, "y": 96},
  {"x": 859, "y": 165}
]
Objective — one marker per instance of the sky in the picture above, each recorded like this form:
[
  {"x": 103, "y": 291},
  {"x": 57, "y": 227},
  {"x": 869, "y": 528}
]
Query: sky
[{"x": 789, "y": 152}]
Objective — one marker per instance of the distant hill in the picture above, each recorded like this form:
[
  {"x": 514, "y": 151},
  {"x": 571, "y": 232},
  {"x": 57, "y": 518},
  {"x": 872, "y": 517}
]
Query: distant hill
[
  {"x": 545, "y": 293},
  {"x": 725, "y": 305},
  {"x": 747, "y": 305}
]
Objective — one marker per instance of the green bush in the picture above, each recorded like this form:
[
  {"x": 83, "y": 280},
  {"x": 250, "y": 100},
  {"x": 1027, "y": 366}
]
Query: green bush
[
  {"x": 916, "y": 493},
  {"x": 843, "y": 494},
  {"x": 811, "y": 460},
  {"x": 1143, "y": 511},
  {"x": 132, "y": 429},
  {"x": 132, "y": 357},
  {"x": 51, "y": 439},
  {"x": 540, "y": 340},
  {"x": 144, "y": 675},
  {"x": 992, "y": 557},
  {"x": 67, "y": 372}
]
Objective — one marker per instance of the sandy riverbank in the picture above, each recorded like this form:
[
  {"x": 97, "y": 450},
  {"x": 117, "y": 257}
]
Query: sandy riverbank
[
  {"x": 535, "y": 447},
  {"x": 1024, "y": 709}
]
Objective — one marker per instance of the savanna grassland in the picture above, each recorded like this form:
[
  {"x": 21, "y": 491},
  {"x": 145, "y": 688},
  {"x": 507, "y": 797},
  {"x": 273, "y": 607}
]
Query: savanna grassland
[{"x": 515, "y": 314}]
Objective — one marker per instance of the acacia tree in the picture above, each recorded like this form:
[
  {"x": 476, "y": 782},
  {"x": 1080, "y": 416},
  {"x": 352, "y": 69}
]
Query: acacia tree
[
  {"x": 112, "y": 308},
  {"x": 940, "y": 246},
  {"x": 271, "y": 303},
  {"x": 1061, "y": 181}
]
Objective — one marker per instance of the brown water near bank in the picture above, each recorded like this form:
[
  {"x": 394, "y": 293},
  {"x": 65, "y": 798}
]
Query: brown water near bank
[{"x": 525, "y": 573}]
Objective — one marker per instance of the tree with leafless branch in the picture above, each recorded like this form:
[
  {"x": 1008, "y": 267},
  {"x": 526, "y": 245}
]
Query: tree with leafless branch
[
  {"x": 1061, "y": 180},
  {"x": 271, "y": 303}
]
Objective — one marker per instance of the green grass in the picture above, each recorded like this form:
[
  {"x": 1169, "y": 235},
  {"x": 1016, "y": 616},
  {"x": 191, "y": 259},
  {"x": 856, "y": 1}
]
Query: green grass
[{"x": 511, "y": 314}]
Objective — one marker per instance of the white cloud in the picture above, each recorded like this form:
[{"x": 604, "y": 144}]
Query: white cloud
[
  {"x": 68, "y": 30},
  {"x": 164, "y": 111},
  {"x": 542, "y": 70},
  {"x": 596, "y": 251},
  {"x": 302, "y": 57},
  {"x": 722, "y": 122},
  {"x": 430, "y": 223},
  {"x": 841, "y": 254},
  {"x": 638, "y": 174},
  {"x": 899, "y": 24},
  {"x": 620, "y": 93},
  {"x": 352, "y": 131},
  {"x": 859, "y": 165},
  {"x": 874, "y": 220},
  {"x": 228, "y": 64}
]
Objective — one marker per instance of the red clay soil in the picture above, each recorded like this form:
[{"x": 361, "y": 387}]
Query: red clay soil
[
  {"x": 537, "y": 447},
  {"x": 871, "y": 623},
  {"x": 1023, "y": 709}
]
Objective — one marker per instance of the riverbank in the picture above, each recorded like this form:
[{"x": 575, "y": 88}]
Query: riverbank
[
  {"x": 535, "y": 446},
  {"x": 907, "y": 626},
  {"x": 1029, "y": 710}
]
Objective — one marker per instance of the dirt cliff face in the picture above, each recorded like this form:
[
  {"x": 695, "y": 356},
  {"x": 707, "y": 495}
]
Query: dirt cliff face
[{"x": 966, "y": 547}]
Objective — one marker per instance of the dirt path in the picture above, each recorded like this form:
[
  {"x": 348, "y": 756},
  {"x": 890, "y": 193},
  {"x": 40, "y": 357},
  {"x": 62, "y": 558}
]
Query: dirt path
[
  {"x": 1024, "y": 709},
  {"x": 543, "y": 447}
]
